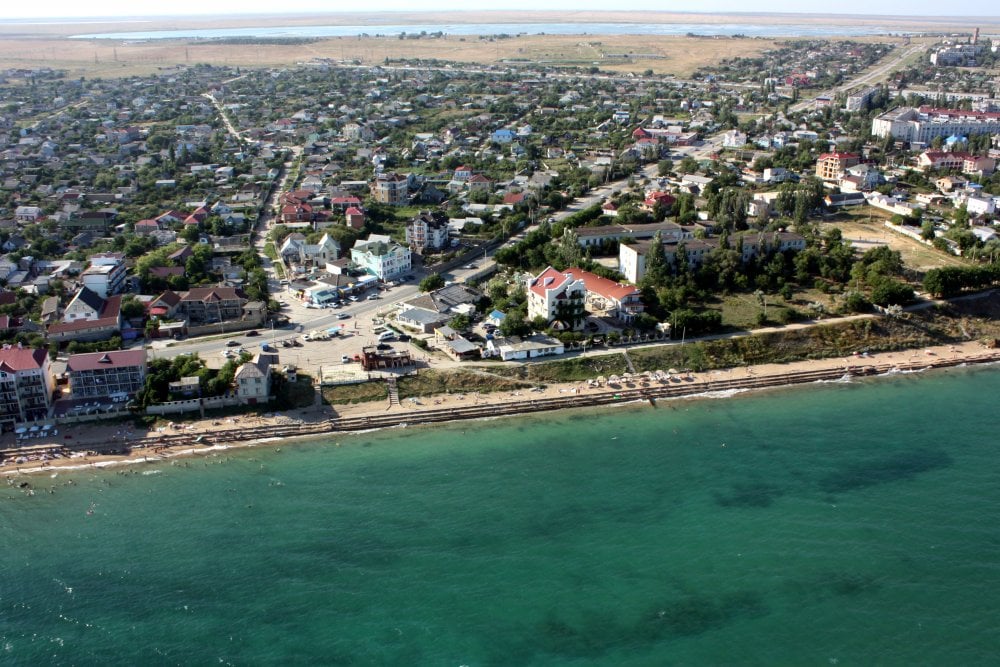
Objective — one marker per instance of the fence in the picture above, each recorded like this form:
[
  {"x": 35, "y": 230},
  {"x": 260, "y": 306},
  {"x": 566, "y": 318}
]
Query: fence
[{"x": 192, "y": 405}]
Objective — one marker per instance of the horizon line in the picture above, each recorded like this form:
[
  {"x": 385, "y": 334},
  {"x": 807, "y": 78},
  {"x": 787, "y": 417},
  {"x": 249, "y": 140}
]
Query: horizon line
[{"x": 569, "y": 19}]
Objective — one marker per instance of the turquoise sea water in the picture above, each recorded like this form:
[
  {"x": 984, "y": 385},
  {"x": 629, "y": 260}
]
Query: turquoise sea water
[{"x": 851, "y": 524}]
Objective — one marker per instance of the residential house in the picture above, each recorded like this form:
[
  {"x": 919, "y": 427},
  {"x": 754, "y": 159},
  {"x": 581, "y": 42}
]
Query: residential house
[
  {"x": 88, "y": 317},
  {"x": 354, "y": 217},
  {"x": 26, "y": 386},
  {"x": 607, "y": 298},
  {"x": 207, "y": 305},
  {"x": 253, "y": 379},
  {"x": 117, "y": 374}
]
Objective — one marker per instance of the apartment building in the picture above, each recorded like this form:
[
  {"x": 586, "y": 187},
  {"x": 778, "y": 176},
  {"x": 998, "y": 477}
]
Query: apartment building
[
  {"x": 831, "y": 166},
  {"x": 26, "y": 386},
  {"x": 381, "y": 257},
  {"x": 391, "y": 188},
  {"x": 924, "y": 123},
  {"x": 115, "y": 374}
]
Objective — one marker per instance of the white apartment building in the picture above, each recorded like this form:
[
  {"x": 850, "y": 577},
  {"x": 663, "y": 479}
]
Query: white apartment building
[
  {"x": 381, "y": 257},
  {"x": 923, "y": 124}
]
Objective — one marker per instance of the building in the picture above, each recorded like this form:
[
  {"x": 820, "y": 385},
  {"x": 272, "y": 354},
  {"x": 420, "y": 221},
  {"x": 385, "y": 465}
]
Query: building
[
  {"x": 381, "y": 257},
  {"x": 595, "y": 236},
  {"x": 391, "y": 188},
  {"x": 859, "y": 101},
  {"x": 922, "y": 124},
  {"x": 427, "y": 231},
  {"x": 118, "y": 374},
  {"x": 26, "y": 386},
  {"x": 88, "y": 317},
  {"x": 516, "y": 348},
  {"x": 607, "y": 298},
  {"x": 967, "y": 163},
  {"x": 734, "y": 139},
  {"x": 558, "y": 298},
  {"x": 207, "y": 305},
  {"x": 106, "y": 274},
  {"x": 253, "y": 379},
  {"x": 831, "y": 166}
]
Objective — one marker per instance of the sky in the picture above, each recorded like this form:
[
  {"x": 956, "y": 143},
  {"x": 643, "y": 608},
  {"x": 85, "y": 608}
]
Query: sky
[{"x": 130, "y": 8}]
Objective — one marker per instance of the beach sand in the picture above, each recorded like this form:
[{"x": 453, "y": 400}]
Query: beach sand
[{"x": 87, "y": 442}]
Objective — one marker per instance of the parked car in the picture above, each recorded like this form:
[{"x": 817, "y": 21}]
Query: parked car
[
  {"x": 383, "y": 346},
  {"x": 372, "y": 297},
  {"x": 344, "y": 359},
  {"x": 252, "y": 333},
  {"x": 233, "y": 343},
  {"x": 404, "y": 338},
  {"x": 353, "y": 298},
  {"x": 343, "y": 316}
]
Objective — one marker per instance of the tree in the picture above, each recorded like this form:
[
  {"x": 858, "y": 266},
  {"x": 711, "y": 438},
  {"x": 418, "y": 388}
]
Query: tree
[
  {"x": 460, "y": 322},
  {"x": 431, "y": 283}
]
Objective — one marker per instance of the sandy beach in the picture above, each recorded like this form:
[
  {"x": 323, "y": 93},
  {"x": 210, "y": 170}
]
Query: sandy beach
[{"x": 103, "y": 445}]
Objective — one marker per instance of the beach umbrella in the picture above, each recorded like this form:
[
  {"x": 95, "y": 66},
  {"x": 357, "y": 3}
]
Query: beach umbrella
[
  {"x": 673, "y": 371},
  {"x": 20, "y": 429},
  {"x": 601, "y": 379},
  {"x": 46, "y": 427},
  {"x": 33, "y": 429}
]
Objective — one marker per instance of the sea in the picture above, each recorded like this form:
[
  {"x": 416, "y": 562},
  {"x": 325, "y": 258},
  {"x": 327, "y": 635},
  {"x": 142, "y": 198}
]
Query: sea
[
  {"x": 853, "y": 523},
  {"x": 466, "y": 29}
]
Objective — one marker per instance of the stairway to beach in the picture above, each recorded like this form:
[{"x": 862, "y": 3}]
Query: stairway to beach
[{"x": 393, "y": 391}]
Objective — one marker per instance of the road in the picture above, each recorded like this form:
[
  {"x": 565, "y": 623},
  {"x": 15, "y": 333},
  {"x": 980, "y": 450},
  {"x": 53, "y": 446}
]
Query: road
[
  {"x": 873, "y": 75},
  {"x": 364, "y": 315}
]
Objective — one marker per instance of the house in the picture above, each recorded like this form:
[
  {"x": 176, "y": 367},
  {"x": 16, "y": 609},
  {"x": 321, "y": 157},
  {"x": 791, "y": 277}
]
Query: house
[
  {"x": 85, "y": 305},
  {"x": 28, "y": 213},
  {"x": 457, "y": 299},
  {"x": 530, "y": 347},
  {"x": 26, "y": 386},
  {"x": 253, "y": 380},
  {"x": 427, "y": 231},
  {"x": 88, "y": 317},
  {"x": 117, "y": 374},
  {"x": 164, "y": 306},
  {"x": 558, "y": 298},
  {"x": 502, "y": 136},
  {"x": 381, "y": 257},
  {"x": 421, "y": 319},
  {"x": 354, "y": 218},
  {"x": 207, "y": 305}
]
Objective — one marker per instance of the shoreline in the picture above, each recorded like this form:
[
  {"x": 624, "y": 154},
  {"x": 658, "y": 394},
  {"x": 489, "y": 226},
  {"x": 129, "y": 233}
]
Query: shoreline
[{"x": 205, "y": 437}]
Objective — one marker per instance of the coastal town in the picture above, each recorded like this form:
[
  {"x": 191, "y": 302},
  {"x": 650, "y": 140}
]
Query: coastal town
[{"x": 338, "y": 245}]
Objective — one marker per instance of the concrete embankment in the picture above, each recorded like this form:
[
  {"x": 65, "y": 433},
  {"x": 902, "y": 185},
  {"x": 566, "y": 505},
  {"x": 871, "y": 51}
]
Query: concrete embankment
[{"x": 606, "y": 396}]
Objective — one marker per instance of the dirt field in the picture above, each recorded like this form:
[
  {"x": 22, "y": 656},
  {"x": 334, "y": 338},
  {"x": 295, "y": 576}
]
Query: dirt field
[
  {"x": 26, "y": 45},
  {"x": 674, "y": 55},
  {"x": 915, "y": 255}
]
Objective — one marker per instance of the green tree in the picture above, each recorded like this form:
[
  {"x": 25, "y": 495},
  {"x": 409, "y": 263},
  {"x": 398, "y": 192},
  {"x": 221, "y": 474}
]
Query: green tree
[{"x": 432, "y": 282}]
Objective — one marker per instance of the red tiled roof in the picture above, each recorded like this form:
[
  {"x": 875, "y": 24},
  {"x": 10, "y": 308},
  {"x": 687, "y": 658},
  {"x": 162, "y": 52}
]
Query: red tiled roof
[
  {"x": 114, "y": 359},
  {"x": 80, "y": 325},
  {"x": 21, "y": 359},
  {"x": 353, "y": 210},
  {"x": 542, "y": 283},
  {"x": 598, "y": 285}
]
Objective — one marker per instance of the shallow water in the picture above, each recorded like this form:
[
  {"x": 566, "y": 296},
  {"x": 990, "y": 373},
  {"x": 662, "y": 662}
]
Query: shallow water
[{"x": 849, "y": 523}]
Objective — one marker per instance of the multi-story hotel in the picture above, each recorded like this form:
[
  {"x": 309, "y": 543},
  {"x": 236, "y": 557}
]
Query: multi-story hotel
[
  {"x": 120, "y": 373},
  {"x": 26, "y": 385}
]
